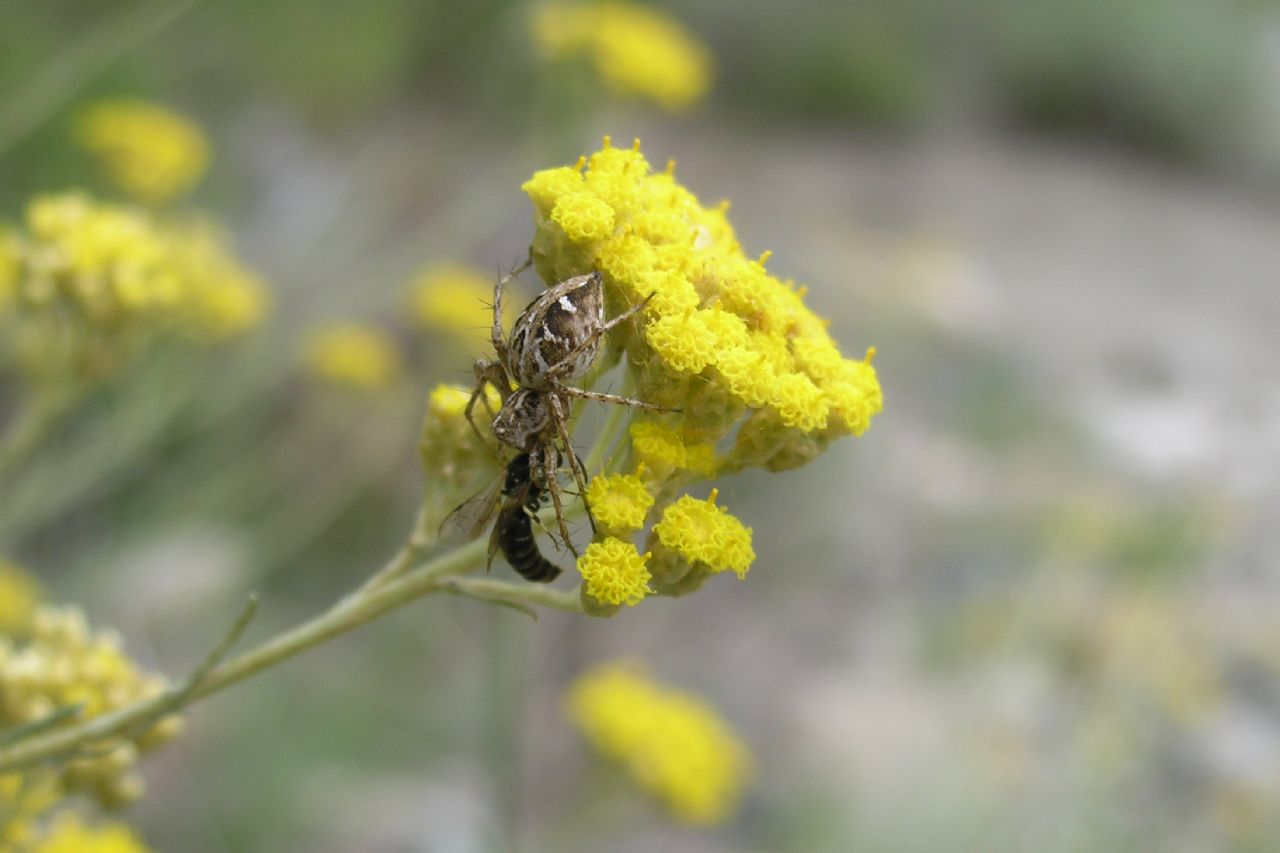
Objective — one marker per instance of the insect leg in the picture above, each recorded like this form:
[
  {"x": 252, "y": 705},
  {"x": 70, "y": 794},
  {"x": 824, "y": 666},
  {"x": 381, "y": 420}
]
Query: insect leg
[{"x": 496, "y": 333}]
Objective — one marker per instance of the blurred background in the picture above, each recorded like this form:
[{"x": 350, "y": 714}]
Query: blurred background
[{"x": 1033, "y": 607}]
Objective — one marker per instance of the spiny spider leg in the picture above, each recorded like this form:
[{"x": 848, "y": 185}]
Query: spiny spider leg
[
  {"x": 610, "y": 398},
  {"x": 487, "y": 373},
  {"x": 496, "y": 333},
  {"x": 560, "y": 417},
  {"x": 549, "y": 471},
  {"x": 542, "y": 528},
  {"x": 568, "y": 362}
]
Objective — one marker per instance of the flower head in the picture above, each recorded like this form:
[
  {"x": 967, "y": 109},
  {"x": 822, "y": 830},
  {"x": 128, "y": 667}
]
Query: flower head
[
  {"x": 613, "y": 572},
  {"x": 637, "y": 50},
  {"x": 353, "y": 355},
  {"x": 752, "y": 373},
  {"x": 151, "y": 152},
  {"x": 450, "y": 449},
  {"x": 620, "y": 503},
  {"x": 703, "y": 533},
  {"x": 674, "y": 744}
]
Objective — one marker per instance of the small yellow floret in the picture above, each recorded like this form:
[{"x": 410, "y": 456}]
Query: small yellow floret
[
  {"x": 702, "y": 532},
  {"x": 151, "y": 152},
  {"x": 614, "y": 572},
  {"x": 673, "y": 743},
  {"x": 583, "y": 217},
  {"x": 682, "y": 341},
  {"x": 658, "y": 448},
  {"x": 800, "y": 403},
  {"x": 19, "y": 598},
  {"x": 354, "y": 355},
  {"x": 548, "y": 185},
  {"x": 620, "y": 503}
]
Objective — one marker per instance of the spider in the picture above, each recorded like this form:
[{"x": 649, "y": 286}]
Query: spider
[{"x": 554, "y": 340}]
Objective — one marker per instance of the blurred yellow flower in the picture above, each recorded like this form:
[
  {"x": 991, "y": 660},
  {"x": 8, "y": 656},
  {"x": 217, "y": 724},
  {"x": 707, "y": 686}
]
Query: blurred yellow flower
[
  {"x": 151, "y": 152},
  {"x": 637, "y": 50},
  {"x": 674, "y": 744},
  {"x": 89, "y": 282},
  {"x": 9, "y": 261},
  {"x": 454, "y": 298},
  {"x": 224, "y": 298},
  {"x": 65, "y": 664},
  {"x": 19, "y": 598},
  {"x": 69, "y": 834},
  {"x": 25, "y": 797},
  {"x": 351, "y": 354}
]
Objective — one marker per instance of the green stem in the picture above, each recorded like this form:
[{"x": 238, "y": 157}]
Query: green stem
[
  {"x": 346, "y": 615},
  {"x": 609, "y": 432},
  {"x": 486, "y": 589},
  {"x": 31, "y": 424}
]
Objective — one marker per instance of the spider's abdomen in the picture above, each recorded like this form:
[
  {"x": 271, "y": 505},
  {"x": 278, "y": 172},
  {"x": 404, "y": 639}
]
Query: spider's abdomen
[{"x": 554, "y": 326}]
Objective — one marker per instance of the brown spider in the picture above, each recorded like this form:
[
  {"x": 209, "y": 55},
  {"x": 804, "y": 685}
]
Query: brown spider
[{"x": 555, "y": 339}]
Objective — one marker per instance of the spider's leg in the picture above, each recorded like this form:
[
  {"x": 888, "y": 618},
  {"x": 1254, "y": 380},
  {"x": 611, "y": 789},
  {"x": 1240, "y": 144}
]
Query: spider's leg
[
  {"x": 560, "y": 417},
  {"x": 611, "y": 398},
  {"x": 549, "y": 470}
]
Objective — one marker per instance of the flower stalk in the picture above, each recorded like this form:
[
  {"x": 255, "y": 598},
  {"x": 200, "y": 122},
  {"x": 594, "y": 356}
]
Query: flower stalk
[{"x": 365, "y": 605}]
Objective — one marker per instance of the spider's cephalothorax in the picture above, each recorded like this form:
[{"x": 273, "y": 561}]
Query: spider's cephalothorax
[{"x": 555, "y": 339}]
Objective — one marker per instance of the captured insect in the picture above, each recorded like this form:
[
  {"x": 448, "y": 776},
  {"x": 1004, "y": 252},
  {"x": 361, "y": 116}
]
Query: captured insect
[
  {"x": 517, "y": 494},
  {"x": 556, "y": 339}
]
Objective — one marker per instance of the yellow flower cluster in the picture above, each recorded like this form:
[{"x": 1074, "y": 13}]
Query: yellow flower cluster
[
  {"x": 66, "y": 664},
  {"x": 722, "y": 338},
  {"x": 637, "y": 50},
  {"x": 85, "y": 281},
  {"x": 68, "y": 833},
  {"x": 674, "y": 744},
  {"x": 19, "y": 598},
  {"x": 352, "y": 355},
  {"x": 748, "y": 365},
  {"x": 454, "y": 299},
  {"x": 151, "y": 152}
]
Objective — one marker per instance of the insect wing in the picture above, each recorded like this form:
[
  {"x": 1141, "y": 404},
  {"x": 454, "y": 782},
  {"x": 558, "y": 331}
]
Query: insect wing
[{"x": 469, "y": 519}]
